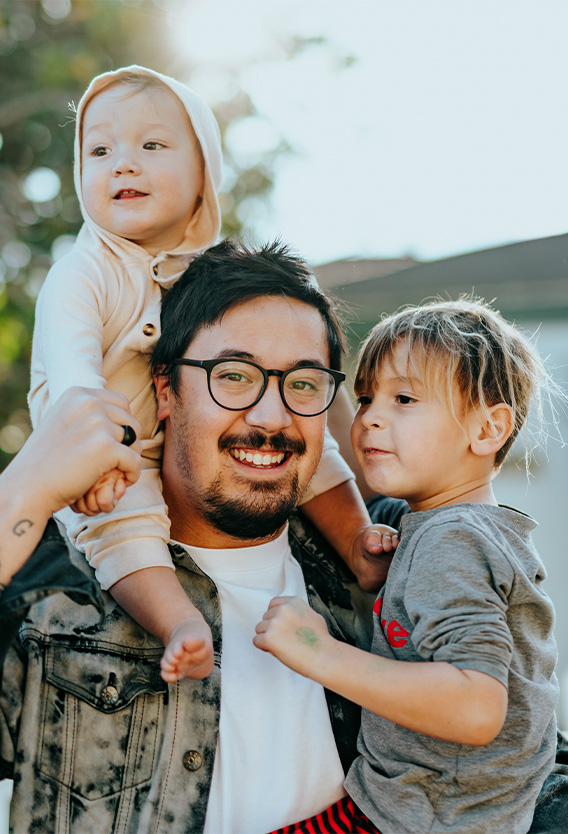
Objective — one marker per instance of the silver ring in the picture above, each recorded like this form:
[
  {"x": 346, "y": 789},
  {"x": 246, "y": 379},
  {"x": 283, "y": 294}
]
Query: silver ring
[{"x": 129, "y": 436}]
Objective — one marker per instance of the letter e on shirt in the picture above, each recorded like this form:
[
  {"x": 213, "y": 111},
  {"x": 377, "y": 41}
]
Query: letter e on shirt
[{"x": 396, "y": 635}]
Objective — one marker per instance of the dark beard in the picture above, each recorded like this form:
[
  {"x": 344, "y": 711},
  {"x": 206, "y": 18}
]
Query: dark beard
[
  {"x": 267, "y": 507},
  {"x": 256, "y": 516}
]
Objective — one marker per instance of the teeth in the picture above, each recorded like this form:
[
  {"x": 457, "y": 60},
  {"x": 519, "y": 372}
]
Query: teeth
[{"x": 258, "y": 458}]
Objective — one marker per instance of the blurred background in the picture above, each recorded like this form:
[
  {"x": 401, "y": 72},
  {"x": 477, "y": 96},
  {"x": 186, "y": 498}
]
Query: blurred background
[{"x": 406, "y": 149}]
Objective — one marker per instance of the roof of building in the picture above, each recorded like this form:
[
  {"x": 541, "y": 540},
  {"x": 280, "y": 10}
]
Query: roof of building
[{"x": 525, "y": 280}]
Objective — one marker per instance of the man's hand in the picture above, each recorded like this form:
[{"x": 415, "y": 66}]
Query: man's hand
[
  {"x": 295, "y": 634},
  {"x": 372, "y": 551},
  {"x": 76, "y": 444},
  {"x": 79, "y": 444}
]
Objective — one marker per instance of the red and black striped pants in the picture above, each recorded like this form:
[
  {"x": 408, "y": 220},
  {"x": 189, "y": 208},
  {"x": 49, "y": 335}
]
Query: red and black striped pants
[{"x": 343, "y": 817}]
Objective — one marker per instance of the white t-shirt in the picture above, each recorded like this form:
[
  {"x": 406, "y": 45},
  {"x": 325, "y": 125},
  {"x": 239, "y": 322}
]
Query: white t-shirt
[{"x": 276, "y": 761}]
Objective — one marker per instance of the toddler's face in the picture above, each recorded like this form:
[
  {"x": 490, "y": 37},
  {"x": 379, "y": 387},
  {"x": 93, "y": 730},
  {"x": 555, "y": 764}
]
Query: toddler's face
[
  {"x": 141, "y": 166},
  {"x": 407, "y": 441}
]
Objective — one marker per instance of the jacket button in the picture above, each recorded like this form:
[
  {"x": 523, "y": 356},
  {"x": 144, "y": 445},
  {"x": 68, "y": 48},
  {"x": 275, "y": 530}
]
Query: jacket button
[
  {"x": 109, "y": 695},
  {"x": 192, "y": 760},
  {"x": 148, "y": 329}
]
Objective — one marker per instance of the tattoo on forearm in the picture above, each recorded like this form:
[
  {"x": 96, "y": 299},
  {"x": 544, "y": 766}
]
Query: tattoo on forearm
[{"x": 22, "y": 526}]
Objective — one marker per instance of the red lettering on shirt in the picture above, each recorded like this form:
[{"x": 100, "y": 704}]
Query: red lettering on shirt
[
  {"x": 396, "y": 635},
  {"x": 377, "y": 609}
]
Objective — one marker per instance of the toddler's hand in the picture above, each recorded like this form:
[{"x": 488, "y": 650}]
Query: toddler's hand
[
  {"x": 103, "y": 496},
  {"x": 373, "y": 549},
  {"x": 294, "y": 633}
]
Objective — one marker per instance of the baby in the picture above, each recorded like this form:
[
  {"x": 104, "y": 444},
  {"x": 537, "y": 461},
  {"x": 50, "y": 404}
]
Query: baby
[
  {"x": 458, "y": 693},
  {"x": 147, "y": 172}
]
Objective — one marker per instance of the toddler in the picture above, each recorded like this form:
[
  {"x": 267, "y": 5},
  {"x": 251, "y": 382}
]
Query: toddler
[
  {"x": 147, "y": 171},
  {"x": 458, "y": 693}
]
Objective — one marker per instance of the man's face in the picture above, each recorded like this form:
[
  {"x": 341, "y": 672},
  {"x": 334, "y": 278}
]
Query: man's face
[{"x": 216, "y": 497}]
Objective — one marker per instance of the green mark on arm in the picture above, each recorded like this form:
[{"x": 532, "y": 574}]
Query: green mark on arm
[{"x": 308, "y": 637}]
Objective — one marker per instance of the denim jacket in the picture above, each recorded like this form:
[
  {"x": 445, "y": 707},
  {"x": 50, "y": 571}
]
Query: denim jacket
[{"x": 97, "y": 742}]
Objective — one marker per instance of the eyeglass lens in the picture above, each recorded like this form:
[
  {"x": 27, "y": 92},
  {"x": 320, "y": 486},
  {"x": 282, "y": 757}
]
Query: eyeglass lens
[{"x": 237, "y": 385}]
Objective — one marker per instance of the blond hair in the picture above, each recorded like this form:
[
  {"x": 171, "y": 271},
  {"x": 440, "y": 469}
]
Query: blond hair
[{"x": 467, "y": 344}]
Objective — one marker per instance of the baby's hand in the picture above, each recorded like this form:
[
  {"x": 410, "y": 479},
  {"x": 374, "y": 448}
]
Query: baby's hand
[
  {"x": 373, "y": 549},
  {"x": 103, "y": 496}
]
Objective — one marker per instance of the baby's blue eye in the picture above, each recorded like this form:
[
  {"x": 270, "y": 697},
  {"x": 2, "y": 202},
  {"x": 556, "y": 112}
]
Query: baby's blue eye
[
  {"x": 404, "y": 399},
  {"x": 99, "y": 151},
  {"x": 152, "y": 146},
  {"x": 364, "y": 400}
]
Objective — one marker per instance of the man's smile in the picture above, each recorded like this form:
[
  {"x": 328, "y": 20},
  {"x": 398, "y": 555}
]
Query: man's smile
[
  {"x": 259, "y": 451},
  {"x": 262, "y": 459}
]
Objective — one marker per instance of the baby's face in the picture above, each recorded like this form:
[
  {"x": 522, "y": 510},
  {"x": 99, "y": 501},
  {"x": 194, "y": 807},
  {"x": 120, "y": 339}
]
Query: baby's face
[{"x": 142, "y": 170}]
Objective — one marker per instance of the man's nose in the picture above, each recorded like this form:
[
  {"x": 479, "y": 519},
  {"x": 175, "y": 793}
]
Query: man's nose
[{"x": 269, "y": 413}]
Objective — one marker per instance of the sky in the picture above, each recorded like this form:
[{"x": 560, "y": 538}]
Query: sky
[{"x": 425, "y": 128}]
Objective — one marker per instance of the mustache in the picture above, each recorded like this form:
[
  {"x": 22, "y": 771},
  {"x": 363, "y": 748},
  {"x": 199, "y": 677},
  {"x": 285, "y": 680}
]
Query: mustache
[{"x": 278, "y": 442}]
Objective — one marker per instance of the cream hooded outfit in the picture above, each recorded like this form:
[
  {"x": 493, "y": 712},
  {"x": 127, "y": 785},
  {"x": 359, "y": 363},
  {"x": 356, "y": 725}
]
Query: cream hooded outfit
[{"x": 97, "y": 321}]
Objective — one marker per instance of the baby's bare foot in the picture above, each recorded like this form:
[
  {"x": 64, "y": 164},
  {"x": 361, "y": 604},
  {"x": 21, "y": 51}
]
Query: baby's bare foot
[{"x": 189, "y": 652}]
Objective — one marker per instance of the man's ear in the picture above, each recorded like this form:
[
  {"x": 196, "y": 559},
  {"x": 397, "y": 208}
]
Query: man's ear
[
  {"x": 488, "y": 433},
  {"x": 163, "y": 396}
]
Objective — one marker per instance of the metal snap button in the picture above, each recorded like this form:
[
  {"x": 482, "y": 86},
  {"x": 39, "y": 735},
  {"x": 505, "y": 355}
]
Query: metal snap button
[
  {"x": 148, "y": 329},
  {"x": 109, "y": 695},
  {"x": 192, "y": 760}
]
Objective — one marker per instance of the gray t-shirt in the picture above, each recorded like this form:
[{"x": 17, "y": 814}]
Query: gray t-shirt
[{"x": 464, "y": 587}]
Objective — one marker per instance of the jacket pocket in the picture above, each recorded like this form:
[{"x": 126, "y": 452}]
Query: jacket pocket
[{"x": 101, "y": 719}]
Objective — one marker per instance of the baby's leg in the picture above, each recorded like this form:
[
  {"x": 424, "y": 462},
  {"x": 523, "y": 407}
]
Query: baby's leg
[
  {"x": 157, "y": 601},
  {"x": 189, "y": 652}
]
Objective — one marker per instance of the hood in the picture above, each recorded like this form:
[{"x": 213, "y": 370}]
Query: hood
[{"x": 204, "y": 227}]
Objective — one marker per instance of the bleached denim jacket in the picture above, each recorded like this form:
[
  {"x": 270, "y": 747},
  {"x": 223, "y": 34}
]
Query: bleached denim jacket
[{"x": 97, "y": 742}]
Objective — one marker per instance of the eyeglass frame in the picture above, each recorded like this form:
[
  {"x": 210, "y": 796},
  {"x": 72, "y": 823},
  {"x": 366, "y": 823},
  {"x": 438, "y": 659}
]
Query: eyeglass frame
[{"x": 208, "y": 365}]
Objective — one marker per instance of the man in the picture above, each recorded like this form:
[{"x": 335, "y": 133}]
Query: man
[{"x": 245, "y": 371}]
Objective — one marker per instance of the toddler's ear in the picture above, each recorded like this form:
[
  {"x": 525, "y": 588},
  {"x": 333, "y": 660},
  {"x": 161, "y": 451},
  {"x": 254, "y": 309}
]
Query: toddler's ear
[{"x": 488, "y": 434}]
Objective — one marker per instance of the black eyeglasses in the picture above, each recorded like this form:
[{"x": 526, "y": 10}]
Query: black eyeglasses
[{"x": 237, "y": 384}]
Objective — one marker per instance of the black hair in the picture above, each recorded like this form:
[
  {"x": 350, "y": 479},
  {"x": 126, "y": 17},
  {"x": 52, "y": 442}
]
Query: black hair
[{"x": 228, "y": 274}]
